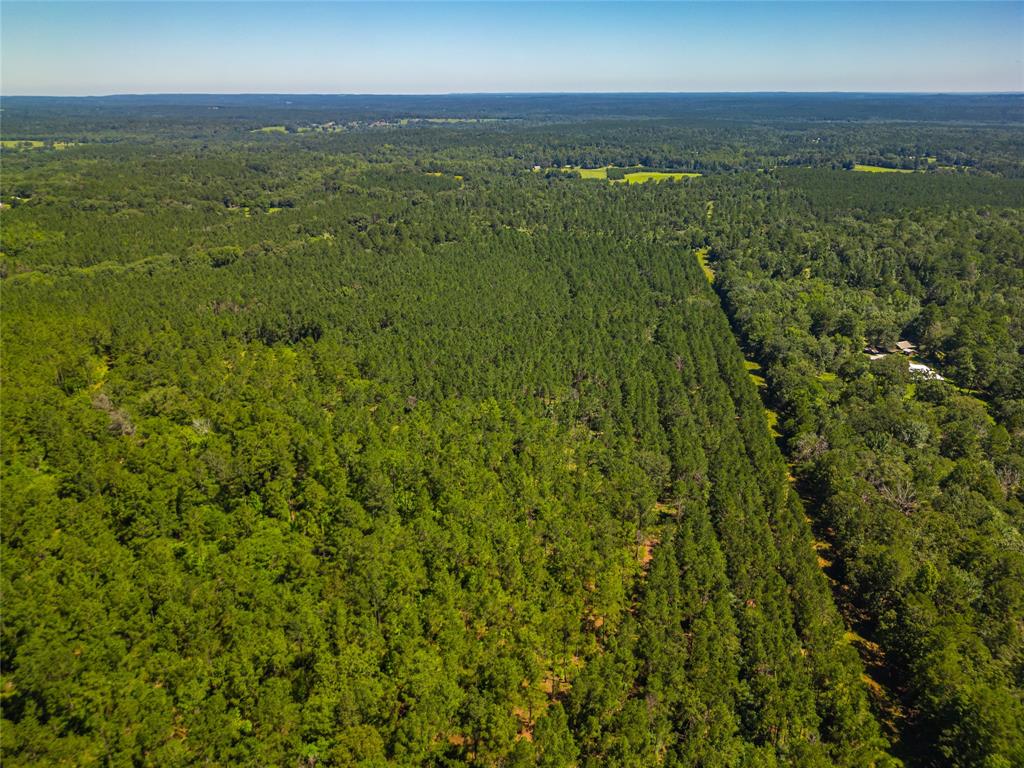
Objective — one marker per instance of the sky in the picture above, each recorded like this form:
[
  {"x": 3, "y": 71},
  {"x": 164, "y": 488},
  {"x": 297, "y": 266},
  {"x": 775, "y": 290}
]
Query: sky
[{"x": 288, "y": 46}]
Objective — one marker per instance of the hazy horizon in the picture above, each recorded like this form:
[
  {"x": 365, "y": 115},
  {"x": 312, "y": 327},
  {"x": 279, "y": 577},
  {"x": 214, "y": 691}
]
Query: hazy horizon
[{"x": 441, "y": 94}]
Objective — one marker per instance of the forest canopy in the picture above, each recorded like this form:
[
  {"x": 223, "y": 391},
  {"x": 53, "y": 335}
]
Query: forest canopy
[{"x": 387, "y": 438}]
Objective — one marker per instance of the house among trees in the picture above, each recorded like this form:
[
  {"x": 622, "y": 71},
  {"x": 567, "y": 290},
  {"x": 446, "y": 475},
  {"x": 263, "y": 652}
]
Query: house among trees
[{"x": 902, "y": 346}]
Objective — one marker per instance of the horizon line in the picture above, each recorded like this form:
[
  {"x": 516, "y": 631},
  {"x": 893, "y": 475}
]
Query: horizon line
[{"x": 512, "y": 93}]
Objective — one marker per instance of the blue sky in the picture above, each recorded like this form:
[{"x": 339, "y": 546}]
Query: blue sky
[{"x": 77, "y": 48}]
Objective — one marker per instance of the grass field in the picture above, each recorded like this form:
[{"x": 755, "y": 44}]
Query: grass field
[
  {"x": 879, "y": 169},
  {"x": 21, "y": 144},
  {"x": 271, "y": 129},
  {"x": 641, "y": 177},
  {"x": 631, "y": 177},
  {"x": 771, "y": 417},
  {"x": 753, "y": 370},
  {"x": 702, "y": 257}
]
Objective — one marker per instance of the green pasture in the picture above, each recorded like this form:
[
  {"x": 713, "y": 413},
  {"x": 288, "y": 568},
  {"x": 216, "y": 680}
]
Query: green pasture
[
  {"x": 753, "y": 370},
  {"x": 21, "y": 144},
  {"x": 642, "y": 177},
  {"x": 879, "y": 169},
  {"x": 638, "y": 176},
  {"x": 709, "y": 273}
]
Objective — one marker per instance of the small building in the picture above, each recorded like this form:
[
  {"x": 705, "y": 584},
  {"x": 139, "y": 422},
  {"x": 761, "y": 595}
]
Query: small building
[{"x": 902, "y": 346}]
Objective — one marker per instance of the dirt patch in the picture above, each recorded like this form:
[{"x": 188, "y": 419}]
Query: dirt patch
[{"x": 645, "y": 550}]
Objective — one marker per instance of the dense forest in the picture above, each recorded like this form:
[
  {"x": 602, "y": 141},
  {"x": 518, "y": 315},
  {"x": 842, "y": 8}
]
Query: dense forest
[{"x": 373, "y": 431}]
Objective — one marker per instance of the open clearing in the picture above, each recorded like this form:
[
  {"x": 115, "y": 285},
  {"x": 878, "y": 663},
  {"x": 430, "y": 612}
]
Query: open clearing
[
  {"x": 21, "y": 144},
  {"x": 702, "y": 257},
  {"x": 771, "y": 417},
  {"x": 641, "y": 177},
  {"x": 634, "y": 175},
  {"x": 753, "y": 370},
  {"x": 879, "y": 169}
]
